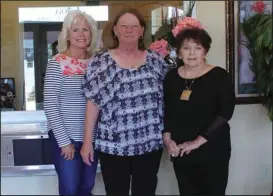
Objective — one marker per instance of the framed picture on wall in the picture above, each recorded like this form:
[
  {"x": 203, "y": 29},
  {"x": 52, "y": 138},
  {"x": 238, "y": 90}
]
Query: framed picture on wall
[{"x": 238, "y": 56}]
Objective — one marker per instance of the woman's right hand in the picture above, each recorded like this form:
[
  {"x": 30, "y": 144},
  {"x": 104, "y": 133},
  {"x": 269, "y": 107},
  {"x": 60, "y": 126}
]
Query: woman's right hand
[
  {"x": 173, "y": 149},
  {"x": 87, "y": 153},
  {"x": 68, "y": 151}
]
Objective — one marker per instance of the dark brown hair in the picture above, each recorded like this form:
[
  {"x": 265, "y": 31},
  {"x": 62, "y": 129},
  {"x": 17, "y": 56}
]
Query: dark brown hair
[
  {"x": 142, "y": 23},
  {"x": 199, "y": 36},
  {"x": 106, "y": 37}
]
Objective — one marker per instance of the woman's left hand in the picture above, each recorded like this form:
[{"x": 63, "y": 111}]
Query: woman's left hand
[{"x": 188, "y": 146}]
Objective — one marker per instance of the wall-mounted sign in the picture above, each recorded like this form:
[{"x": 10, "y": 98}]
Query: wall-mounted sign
[{"x": 57, "y": 14}]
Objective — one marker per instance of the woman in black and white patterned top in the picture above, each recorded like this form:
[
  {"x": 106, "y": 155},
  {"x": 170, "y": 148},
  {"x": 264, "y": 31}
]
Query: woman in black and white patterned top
[
  {"x": 65, "y": 104},
  {"x": 124, "y": 88}
]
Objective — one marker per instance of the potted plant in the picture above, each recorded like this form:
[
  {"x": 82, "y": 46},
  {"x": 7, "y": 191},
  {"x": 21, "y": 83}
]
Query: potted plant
[
  {"x": 257, "y": 29},
  {"x": 165, "y": 43}
]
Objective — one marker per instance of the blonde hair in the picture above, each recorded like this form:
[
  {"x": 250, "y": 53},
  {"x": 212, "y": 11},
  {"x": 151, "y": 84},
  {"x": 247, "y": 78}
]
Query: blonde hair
[{"x": 74, "y": 17}]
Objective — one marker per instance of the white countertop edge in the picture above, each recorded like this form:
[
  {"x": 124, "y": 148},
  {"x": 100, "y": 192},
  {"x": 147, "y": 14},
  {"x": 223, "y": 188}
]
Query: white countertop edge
[{"x": 23, "y": 117}]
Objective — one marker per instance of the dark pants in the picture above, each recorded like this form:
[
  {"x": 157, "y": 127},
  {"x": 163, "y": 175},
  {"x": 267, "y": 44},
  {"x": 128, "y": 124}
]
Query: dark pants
[
  {"x": 75, "y": 177},
  {"x": 119, "y": 171},
  {"x": 201, "y": 174}
]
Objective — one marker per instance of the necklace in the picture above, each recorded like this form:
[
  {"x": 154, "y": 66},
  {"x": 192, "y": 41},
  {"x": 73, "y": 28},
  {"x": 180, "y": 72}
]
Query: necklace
[
  {"x": 129, "y": 62},
  {"x": 186, "y": 93}
]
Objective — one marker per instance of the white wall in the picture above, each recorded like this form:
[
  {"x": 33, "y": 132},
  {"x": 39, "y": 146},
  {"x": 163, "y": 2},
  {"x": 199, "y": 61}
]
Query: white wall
[
  {"x": 251, "y": 158},
  {"x": 251, "y": 134},
  {"x": 212, "y": 16}
]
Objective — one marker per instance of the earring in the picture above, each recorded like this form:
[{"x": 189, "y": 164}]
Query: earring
[{"x": 141, "y": 37}]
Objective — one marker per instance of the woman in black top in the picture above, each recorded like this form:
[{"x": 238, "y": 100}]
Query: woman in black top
[{"x": 199, "y": 102}]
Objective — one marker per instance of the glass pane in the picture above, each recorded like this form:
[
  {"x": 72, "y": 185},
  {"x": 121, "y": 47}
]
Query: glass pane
[
  {"x": 51, "y": 43},
  {"x": 29, "y": 71},
  {"x": 52, "y": 37}
]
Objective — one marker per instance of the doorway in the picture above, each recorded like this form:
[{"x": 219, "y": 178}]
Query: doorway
[{"x": 38, "y": 38}]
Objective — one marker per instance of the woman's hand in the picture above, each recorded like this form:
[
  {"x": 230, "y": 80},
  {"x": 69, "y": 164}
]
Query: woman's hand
[
  {"x": 172, "y": 148},
  {"x": 68, "y": 151},
  {"x": 188, "y": 146},
  {"x": 87, "y": 153}
]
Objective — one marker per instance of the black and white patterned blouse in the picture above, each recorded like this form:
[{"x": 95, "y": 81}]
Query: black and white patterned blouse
[{"x": 130, "y": 102}]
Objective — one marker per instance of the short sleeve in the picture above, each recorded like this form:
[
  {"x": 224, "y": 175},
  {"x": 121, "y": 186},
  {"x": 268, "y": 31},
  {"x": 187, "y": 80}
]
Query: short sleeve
[
  {"x": 159, "y": 65},
  {"x": 97, "y": 86}
]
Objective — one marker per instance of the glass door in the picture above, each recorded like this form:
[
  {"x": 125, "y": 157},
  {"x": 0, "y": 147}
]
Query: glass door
[
  {"x": 38, "y": 40},
  {"x": 29, "y": 71}
]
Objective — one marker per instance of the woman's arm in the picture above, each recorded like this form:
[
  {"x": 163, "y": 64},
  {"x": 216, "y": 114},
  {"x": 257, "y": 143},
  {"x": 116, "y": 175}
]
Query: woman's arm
[
  {"x": 225, "y": 106},
  {"x": 167, "y": 108},
  {"x": 171, "y": 145},
  {"x": 52, "y": 88},
  {"x": 91, "y": 116},
  {"x": 91, "y": 89}
]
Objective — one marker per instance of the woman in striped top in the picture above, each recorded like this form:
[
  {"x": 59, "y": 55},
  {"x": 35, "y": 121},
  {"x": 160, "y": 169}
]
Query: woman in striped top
[{"x": 64, "y": 103}]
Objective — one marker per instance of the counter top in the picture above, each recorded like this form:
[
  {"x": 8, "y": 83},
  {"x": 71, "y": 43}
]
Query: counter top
[
  {"x": 23, "y": 122},
  {"x": 23, "y": 129},
  {"x": 22, "y": 117}
]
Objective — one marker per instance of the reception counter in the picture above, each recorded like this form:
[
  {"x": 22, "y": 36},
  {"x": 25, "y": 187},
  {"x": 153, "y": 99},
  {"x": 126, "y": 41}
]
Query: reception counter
[{"x": 25, "y": 146}]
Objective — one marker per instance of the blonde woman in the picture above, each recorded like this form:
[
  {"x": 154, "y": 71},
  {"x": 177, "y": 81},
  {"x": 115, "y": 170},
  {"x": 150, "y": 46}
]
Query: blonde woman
[{"x": 64, "y": 104}]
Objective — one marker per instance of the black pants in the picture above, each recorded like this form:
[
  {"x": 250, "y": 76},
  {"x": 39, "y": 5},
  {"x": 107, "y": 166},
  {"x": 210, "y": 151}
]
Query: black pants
[
  {"x": 201, "y": 174},
  {"x": 119, "y": 172}
]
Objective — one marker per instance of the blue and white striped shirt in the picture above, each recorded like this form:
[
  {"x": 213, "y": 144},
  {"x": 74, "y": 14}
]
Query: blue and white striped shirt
[
  {"x": 130, "y": 102},
  {"x": 64, "y": 103}
]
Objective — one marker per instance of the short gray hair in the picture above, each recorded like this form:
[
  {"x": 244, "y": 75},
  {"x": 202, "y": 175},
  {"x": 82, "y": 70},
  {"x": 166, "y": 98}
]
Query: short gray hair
[{"x": 71, "y": 18}]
